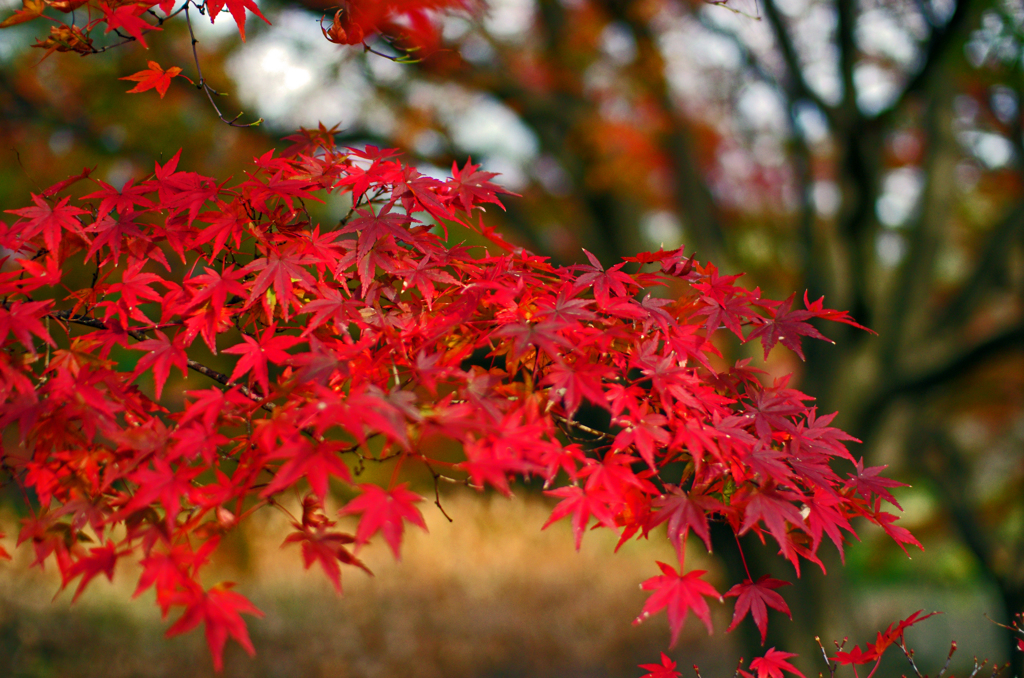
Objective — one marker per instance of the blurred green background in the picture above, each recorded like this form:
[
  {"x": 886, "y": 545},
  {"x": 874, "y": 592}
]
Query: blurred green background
[{"x": 868, "y": 151}]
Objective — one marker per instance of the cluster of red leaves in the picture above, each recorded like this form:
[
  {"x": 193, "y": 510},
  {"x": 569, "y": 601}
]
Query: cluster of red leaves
[
  {"x": 409, "y": 25},
  {"x": 873, "y": 652},
  {"x": 370, "y": 339},
  {"x": 775, "y": 662},
  {"x": 130, "y": 19}
]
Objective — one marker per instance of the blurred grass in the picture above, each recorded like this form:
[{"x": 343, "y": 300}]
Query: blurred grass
[{"x": 488, "y": 595}]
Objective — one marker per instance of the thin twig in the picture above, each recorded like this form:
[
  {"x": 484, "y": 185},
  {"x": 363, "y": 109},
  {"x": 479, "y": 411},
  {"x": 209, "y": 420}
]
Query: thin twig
[
  {"x": 582, "y": 427},
  {"x": 201, "y": 83}
]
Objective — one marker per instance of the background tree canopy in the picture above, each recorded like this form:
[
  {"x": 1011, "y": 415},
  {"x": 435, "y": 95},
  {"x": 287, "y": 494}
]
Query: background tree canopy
[{"x": 870, "y": 151}]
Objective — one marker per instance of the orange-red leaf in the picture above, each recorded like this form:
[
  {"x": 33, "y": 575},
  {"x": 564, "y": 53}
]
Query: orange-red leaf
[
  {"x": 154, "y": 77},
  {"x": 680, "y": 593},
  {"x": 384, "y": 511},
  {"x": 756, "y": 598},
  {"x": 31, "y": 9},
  {"x": 773, "y": 663},
  {"x": 219, "y": 608}
]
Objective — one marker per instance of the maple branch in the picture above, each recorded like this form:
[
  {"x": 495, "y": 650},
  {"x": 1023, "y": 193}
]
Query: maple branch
[
  {"x": 941, "y": 39},
  {"x": 996, "y": 250},
  {"x": 911, "y": 284},
  {"x": 1011, "y": 338},
  {"x": 582, "y": 427},
  {"x": 909, "y": 654},
  {"x": 437, "y": 491},
  {"x": 201, "y": 82},
  {"x": 832, "y": 666},
  {"x": 798, "y": 87},
  {"x": 691, "y": 193},
  {"x": 846, "y": 25},
  {"x": 250, "y": 393},
  {"x": 95, "y": 323},
  {"x": 138, "y": 335}
]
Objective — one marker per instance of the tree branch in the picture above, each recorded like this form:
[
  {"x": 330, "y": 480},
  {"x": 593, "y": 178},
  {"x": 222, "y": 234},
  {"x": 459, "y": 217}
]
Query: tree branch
[
  {"x": 96, "y": 323},
  {"x": 1011, "y": 339},
  {"x": 796, "y": 84},
  {"x": 998, "y": 247},
  {"x": 941, "y": 39}
]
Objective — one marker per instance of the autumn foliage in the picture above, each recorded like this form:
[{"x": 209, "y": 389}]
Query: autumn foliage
[{"x": 377, "y": 338}]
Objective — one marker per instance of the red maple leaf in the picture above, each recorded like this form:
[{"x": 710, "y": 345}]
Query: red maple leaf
[
  {"x": 786, "y": 326},
  {"x": 571, "y": 383},
  {"x": 867, "y": 481},
  {"x": 825, "y": 515},
  {"x": 756, "y": 598},
  {"x": 283, "y": 270},
  {"x": 170, "y": 485},
  {"x": 50, "y": 221},
  {"x": 815, "y": 307},
  {"x": 127, "y": 17},
  {"x": 316, "y": 462},
  {"x": 684, "y": 511},
  {"x": 237, "y": 9},
  {"x": 385, "y": 511},
  {"x": 213, "y": 287},
  {"x": 679, "y": 593},
  {"x": 775, "y": 509},
  {"x": 101, "y": 560},
  {"x": 255, "y": 354},
  {"x": 220, "y": 609},
  {"x": 874, "y": 651},
  {"x": 469, "y": 187},
  {"x": 320, "y": 545},
  {"x": 154, "y": 77},
  {"x": 773, "y": 663},
  {"x": 604, "y": 282},
  {"x": 23, "y": 319},
  {"x": 371, "y": 227},
  {"x": 900, "y": 535},
  {"x": 666, "y": 669},
  {"x": 162, "y": 354},
  {"x": 582, "y": 505}
]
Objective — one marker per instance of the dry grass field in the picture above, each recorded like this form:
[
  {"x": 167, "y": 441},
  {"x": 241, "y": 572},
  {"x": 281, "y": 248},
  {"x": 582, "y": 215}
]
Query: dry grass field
[{"x": 488, "y": 595}]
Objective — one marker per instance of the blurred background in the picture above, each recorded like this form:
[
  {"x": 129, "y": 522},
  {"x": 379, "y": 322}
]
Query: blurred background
[{"x": 869, "y": 151}]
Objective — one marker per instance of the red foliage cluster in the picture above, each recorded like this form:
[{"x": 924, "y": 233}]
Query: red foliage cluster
[
  {"x": 407, "y": 23},
  {"x": 373, "y": 338}
]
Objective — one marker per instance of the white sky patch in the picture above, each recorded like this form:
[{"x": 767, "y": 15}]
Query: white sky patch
[
  {"x": 901, "y": 193},
  {"x": 876, "y": 87},
  {"x": 890, "y": 248},
  {"x": 488, "y": 127},
  {"x": 292, "y": 77},
  {"x": 812, "y": 123},
  {"x": 223, "y": 27},
  {"x": 510, "y": 174},
  {"x": 826, "y": 197},
  {"x": 762, "y": 108},
  {"x": 618, "y": 43},
  {"x": 792, "y": 7},
  {"x": 991, "y": 149},
  {"x": 878, "y": 34},
  {"x": 814, "y": 35},
  {"x": 662, "y": 229},
  {"x": 509, "y": 19}
]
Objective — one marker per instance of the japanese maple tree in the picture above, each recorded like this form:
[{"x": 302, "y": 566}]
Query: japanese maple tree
[{"x": 367, "y": 339}]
